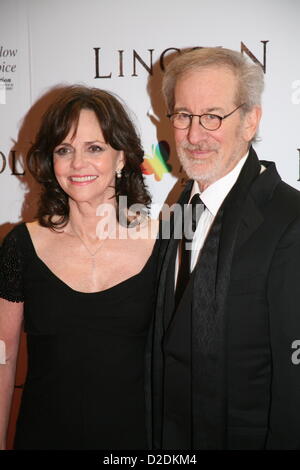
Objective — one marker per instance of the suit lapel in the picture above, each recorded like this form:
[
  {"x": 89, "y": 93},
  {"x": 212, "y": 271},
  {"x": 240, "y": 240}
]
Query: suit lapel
[
  {"x": 167, "y": 278},
  {"x": 251, "y": 220},
  {"x": 261, "y": 190}
]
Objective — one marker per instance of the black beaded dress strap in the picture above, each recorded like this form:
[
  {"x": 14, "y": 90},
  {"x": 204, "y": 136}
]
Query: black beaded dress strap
[{"x": 12, "y": 266}]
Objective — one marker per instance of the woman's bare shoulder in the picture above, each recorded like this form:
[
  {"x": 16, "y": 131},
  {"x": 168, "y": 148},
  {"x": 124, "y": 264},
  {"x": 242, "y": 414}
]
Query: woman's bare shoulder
[
  {"x": 35, "y": 229},
  {"x": 39, "y": 233}
]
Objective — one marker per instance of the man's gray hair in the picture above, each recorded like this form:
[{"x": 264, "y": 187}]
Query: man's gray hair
[{"x": 250, "y": 76}]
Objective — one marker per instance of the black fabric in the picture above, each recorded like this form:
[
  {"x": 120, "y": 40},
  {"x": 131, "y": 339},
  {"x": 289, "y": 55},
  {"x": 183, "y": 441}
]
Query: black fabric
[
  {"x": 194, "y": 397},
  {"x": 155, "y": 366},
  {"x": 85, "y": 382},
  {"x": 190, "y": 221},
  {"x": 11, "y": 262},
  {"x": 257, "y": 320},
  {"x": 208, "y": 326},
  {"x": 184, "y": 380}
]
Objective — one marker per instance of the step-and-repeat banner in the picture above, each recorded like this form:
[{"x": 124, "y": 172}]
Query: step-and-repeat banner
[{"x": 123, "y": 46}]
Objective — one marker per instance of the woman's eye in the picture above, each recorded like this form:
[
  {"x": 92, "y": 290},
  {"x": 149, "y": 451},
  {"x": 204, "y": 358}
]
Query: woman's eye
[
  {"x": 95, "y": 148},
  {"x": 61, "y": 151}
]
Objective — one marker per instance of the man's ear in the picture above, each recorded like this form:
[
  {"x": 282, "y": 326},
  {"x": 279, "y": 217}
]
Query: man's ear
[{"x": 251, "y": 123}]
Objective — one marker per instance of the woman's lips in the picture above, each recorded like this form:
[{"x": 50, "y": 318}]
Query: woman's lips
[{"x": 82, "y": 180}]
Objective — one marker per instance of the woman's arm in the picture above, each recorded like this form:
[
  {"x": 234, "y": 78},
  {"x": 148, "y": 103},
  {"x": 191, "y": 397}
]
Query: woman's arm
[{"x": 11, "y": 317}]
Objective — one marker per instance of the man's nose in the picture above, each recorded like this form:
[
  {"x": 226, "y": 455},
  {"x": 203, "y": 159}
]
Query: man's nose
[{"x": 196, "y": 132}]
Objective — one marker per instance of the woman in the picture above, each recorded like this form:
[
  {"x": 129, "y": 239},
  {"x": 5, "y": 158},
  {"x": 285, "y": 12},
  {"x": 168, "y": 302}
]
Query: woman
[{"x": 84, "y": 281}]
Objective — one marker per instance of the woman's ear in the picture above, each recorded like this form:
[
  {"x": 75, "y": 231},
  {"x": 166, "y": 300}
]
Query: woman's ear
[{"x": 121, "y": 160}]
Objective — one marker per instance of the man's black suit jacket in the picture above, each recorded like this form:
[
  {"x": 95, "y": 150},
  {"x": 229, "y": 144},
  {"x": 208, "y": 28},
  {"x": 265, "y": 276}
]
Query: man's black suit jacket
[{"x": 262, "y": 369}]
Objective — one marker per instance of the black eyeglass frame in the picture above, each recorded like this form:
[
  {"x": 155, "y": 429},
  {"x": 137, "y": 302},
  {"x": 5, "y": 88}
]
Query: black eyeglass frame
[{"x": 221, "y": 118}]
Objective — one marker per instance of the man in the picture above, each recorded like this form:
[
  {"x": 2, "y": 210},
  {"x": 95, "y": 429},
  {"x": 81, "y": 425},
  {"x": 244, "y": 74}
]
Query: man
[{"x": 224, "y": 374}]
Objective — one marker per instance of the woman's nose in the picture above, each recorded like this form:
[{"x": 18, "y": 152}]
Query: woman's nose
[{"x": 78, "y": 159}]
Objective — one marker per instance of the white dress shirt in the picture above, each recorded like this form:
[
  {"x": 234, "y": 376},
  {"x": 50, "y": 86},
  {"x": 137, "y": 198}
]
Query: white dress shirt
[{"x": 212, "y": 197}]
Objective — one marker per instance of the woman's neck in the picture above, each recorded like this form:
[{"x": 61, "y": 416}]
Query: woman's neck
[{"x": 90, "y": 221}]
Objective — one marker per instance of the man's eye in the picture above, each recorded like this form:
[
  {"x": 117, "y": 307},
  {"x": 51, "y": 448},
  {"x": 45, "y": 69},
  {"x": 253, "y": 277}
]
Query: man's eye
[
  {"x": 182, "y": 117},
  {"x": 211, "y": 117}
]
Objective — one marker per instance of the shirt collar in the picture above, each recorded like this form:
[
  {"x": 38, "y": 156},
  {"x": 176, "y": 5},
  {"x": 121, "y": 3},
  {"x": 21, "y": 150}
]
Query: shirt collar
[{"x": 213, "y": 196}]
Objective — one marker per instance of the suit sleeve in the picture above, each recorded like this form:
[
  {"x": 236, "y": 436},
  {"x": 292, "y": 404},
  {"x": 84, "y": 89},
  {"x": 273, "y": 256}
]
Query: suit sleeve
[{"x": 284, "y": 317}]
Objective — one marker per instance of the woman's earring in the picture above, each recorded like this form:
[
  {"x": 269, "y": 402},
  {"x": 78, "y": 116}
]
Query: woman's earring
[{"x": 118, "y": 173}]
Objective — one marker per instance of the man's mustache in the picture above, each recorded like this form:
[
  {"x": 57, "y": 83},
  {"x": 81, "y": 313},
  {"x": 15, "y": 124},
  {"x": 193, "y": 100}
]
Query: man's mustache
[{"x": 199, "y": 147}]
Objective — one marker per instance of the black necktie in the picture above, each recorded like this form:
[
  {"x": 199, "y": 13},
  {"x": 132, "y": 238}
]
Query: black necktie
[{"x": 191, "y": 217}]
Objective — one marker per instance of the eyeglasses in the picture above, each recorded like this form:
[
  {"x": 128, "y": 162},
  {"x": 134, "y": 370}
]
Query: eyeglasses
[{"x": 210, "y": 122}]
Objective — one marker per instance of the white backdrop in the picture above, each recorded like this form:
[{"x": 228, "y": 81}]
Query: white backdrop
[{"x": 115, "y": 45}]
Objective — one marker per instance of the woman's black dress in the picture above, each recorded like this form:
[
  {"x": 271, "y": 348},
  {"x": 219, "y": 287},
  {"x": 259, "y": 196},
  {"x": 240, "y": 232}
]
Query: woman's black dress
[{"x": 85, "y": 382}]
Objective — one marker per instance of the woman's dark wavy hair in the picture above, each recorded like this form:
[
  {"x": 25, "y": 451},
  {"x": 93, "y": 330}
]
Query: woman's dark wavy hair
[{"x": 118, "y": 131}]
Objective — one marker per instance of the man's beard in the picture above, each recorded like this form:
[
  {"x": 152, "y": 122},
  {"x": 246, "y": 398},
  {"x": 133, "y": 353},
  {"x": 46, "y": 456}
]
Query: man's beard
[
  {"x": 207, "y": 171},
  {"x": 195, "y": 167}
]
